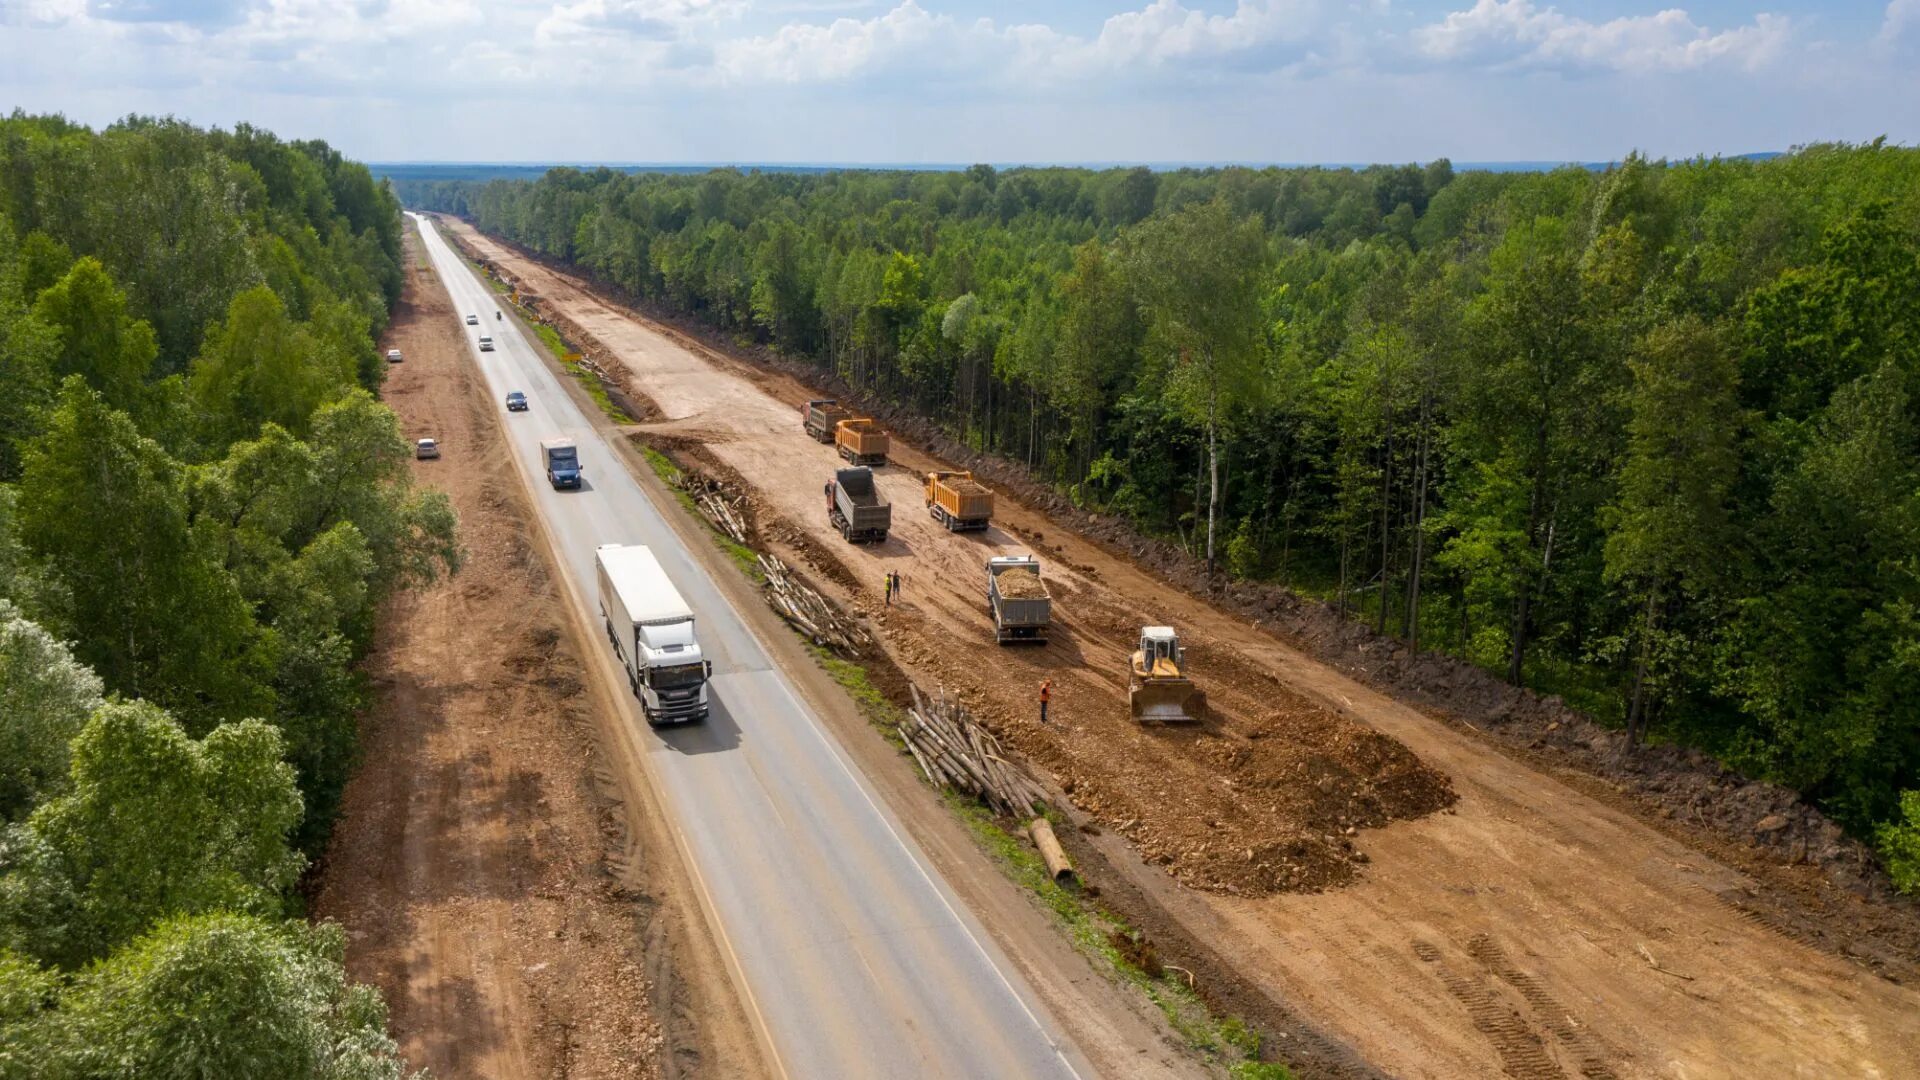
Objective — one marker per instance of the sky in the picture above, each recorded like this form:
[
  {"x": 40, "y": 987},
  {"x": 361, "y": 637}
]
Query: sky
[{"x": 916, "y": 81}]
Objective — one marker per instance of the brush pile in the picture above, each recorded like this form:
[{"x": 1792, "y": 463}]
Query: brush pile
[
  {"x": 721, "y": 507},
  {"x": 955, "y": 751},
  {"x": 810, "y": 613}
]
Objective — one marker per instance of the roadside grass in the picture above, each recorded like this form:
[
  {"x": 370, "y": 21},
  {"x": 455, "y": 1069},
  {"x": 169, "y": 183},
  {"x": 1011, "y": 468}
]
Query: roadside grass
[
  {"x": 669, "y": 474},
  {"x": 1225, "y": 1042}
]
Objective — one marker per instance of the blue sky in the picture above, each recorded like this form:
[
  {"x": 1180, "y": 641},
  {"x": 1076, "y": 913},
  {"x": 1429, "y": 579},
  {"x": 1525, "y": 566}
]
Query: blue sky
[{"x": 985, "y": 80}]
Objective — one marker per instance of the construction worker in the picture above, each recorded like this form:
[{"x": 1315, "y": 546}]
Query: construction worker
[
  {"x": 828, "y": 488},
  {"x": 1046, "y": 695},
  {"x": 886, "y": 588},
  {"x": 897, "y": 579}
]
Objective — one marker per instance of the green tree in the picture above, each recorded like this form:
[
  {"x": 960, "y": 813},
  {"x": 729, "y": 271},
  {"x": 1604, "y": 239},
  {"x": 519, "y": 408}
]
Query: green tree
[
  {"x": 1198, "y": 274},
  {"x": 1533, "y": 425},
  {"x": 98, "y": 340},
  {"x": 104, "y": 509},
  {"x": 27, "y": 996},
  {"x": 1669, "y": 531},
  {"x": 260, "y": 367},
  {"x": 45, "y": 697},
  {"x": 157, "y": 824},
  {"x": 224, "y": 995}
]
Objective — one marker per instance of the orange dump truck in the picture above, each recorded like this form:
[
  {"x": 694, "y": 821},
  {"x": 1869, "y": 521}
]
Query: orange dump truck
[
  {"x": 820, "y": 417},
  {"x": 958, "y": 501},
  {"x": 861, "y": 441}
]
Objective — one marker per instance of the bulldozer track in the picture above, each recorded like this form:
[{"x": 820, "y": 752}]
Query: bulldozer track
[
  {"x": 1547, "y": 1009},
  {"x": 1523, "y": 1054},
  {"x": 1748, "y": 912}
]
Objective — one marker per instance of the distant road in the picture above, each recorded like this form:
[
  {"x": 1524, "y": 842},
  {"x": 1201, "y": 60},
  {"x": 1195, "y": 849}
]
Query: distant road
[{"x": 858, "y": 959}]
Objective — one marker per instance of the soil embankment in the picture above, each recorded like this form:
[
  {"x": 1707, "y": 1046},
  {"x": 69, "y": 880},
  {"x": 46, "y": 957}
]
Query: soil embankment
[{"x": 1535, "y": 927}]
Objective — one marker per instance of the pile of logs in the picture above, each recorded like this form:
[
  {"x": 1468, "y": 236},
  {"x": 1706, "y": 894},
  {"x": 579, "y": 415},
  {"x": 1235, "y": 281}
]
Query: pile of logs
[
  {"x": 810, "y": 613},
  {"x": 954, "y": 750},
  {"x": 720, "y": 506}
]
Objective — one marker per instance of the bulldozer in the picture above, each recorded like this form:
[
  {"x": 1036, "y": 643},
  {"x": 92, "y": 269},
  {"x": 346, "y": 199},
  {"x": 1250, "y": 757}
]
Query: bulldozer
[{"x": 1159, "y": 691}]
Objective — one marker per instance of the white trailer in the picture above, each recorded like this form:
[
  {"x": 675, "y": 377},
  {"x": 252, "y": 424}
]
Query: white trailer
[{"x": 651, "y": 627}]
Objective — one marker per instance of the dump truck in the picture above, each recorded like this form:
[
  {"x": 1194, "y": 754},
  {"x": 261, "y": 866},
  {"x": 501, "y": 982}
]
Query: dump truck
[
  {"x": 820, "y": 417},
  {"x": 1017, "y": 599},
  {"x": 861, "y": 441},
  {"x": 651, "y": 628},
  {"x": 958, "y": 501},
  {"x": 1159, "y": 690},
  {"x": 856, "y": 507},
  {"x": 563, "y": 462}
]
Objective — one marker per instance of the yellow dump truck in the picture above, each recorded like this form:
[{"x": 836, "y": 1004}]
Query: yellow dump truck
[
  {"x": 861, "y": 441},
  {"x": 958, "y": 501}
]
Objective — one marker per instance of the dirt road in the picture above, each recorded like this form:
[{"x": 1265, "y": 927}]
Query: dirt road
[
  {"x": 1528, "y": 929},
  {"x": 488, "y": 885}
]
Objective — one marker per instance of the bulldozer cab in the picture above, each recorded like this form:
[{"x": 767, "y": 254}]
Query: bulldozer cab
[
  {"x": 1159, "y": 690},
  {"x": 1160, "y": 650}
]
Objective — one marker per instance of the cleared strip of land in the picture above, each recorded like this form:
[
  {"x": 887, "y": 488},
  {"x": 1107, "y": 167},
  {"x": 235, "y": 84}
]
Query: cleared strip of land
[{"x": 1530, "y": 928}]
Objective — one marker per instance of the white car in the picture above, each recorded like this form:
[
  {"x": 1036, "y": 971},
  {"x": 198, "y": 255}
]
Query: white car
[
  {"x": 472, "y": 319},
  {"x": 426, "y": 448},
  {"x": 486, "y": 344},
  {"x": 393, "y": 356}
]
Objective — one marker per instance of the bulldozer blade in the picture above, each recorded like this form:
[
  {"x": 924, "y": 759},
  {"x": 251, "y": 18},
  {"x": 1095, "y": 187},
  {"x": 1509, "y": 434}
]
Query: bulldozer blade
[{"x": 1169, "y": 702}]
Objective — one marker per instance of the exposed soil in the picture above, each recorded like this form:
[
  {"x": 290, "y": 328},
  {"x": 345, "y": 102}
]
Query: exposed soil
[
  {"x": 1535, "y": 927},
  {"x": 481, "y": 874}
]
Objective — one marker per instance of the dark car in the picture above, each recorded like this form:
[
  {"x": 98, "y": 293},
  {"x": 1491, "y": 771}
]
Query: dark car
[{"x": 516, "y": 402}]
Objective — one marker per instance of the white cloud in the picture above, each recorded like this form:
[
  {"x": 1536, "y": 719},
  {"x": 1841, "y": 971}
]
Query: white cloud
[
  {"x": 1163, "y": 35},
  {"x": 1902, "y": 19},
  {"x": 1517, "y": 34},
  {"x": 639, "y": 18}
]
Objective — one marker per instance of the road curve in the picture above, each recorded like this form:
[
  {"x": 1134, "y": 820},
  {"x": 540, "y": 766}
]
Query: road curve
[{"x": 858, "y": 960}]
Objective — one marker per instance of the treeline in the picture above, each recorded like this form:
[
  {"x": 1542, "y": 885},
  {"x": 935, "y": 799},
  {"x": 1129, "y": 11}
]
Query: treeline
[
  {"x": 1643, "y": 437},
  {"x": 201, "y": 506}
]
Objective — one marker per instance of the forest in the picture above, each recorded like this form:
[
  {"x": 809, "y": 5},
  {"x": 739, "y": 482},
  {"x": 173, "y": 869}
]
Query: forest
[
  {"x": 1646, "y": 436},
  {"x": 202, "y": 504}
]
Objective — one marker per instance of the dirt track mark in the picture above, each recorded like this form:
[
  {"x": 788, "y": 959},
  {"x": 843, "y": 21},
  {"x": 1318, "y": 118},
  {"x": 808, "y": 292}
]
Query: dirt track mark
[
  {"x": 1522, "y": 1053},
  {"x": 1550, "y": 1013}
]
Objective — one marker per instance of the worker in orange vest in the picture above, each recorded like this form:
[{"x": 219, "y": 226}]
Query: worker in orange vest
[{"x": 1046, "y": 695}]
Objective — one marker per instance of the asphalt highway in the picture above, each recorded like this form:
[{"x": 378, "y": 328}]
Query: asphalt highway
[{"x": 858, "y": 960}]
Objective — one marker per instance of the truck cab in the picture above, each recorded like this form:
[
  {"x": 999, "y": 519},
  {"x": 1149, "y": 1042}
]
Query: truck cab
[
  {"x": 651, "y": 628},
  {"x": 670, "y": 674},
  {"x": 562, "y": 461}
]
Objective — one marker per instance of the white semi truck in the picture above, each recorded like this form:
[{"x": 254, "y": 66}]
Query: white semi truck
[{"x": 652, "y": 632}]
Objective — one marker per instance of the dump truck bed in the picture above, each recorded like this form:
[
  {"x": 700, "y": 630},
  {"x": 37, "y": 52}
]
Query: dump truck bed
[
  {"x": 859, "y": 511},
  {"x": 958, "y": 501},
  {"x": 1017, "y": 598},
  {"x": 861, "y": 441},
  {"x": 820, "y": 417}
]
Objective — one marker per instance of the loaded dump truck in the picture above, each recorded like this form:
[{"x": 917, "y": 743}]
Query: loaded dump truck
[
  {"x": 856, "y": 508},
  {"x": 1017, "y": 599},
  {"x": 958, "y": 501},
  {"x": 652, "y": 632},
  {"x": 821, "y": 417},
  {"x": 861, "y": 441}
]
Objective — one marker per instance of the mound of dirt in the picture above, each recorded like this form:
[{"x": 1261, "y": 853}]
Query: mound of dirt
[{"x": 1019, "y": 583}]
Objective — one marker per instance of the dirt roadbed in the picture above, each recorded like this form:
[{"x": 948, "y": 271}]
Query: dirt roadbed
[
  {"x": 487, "y": 866},
  {"x": 1527, "y": 928}
]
